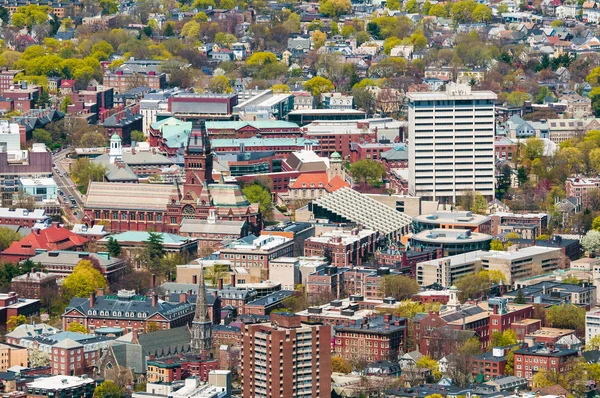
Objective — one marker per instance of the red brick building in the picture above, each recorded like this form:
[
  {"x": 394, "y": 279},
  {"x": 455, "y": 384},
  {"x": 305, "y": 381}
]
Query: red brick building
[
  {"x": 250, "y": 129},
  {"x": 338, "y": 139},
  {"x": 7, "y": 78},
  {"x": 405, "y": 260},
  {"x": 530, "y": 360},
  {"x": 270, "y": 352},
  {"x": 55, "y": 237},
  {"x": 34, "y": 285},
  {"x": 368, "y": 150},
  {"x": 13, "y": 305},
  {"x": 490, "y": 364},
  {"x": 375, "y": 338},
  {"x": 121, "y": 82},
  {"x": 22, "y": 217},
  {"x": 168, "y": 370},
  {"x": 23, "y": 97},
  {"x": 345, "y": 248},
  {"x": 505, "y": 149}
]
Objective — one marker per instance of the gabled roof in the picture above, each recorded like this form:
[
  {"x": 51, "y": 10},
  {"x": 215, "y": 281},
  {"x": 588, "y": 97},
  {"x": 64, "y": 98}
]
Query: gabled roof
[{"x": 51, "y": 238}]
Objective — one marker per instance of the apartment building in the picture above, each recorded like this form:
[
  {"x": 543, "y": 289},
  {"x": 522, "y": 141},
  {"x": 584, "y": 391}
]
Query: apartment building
[
  {"x": 451, "y": 142},
  {"x": 286, "y": 358}
]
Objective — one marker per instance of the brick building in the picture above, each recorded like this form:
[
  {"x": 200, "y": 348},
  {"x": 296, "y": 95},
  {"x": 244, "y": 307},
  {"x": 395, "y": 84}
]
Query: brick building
[
  {"x": 581, "y": 187},
  {"x": 13, "y": 305},
  {"x": 539, "y": 220},
  {"x": 337, "y": 136},
  {"x": 22, "y": 217},
  {"x": 374, "y": 338},
  {"x": 7, "y": 78},
  {"x": 55, "y": 237},
  {"x": 250, "y": 129},
  {"x": 123, "y": 123},
  {"x": 490, "y": 364},
  {"x": 270, "y": 358},
  {"x": 197, "y": 106},
  {"x": 34, "y": 285},
  {"x": 128, "y": 311},
  {"x": 344, "y": 248},
  {"x": 505, "y": 149},
  {"x": 121, "y": 81},
  {"x": 369, "y": 150},
  {"x": 23, "y": 97},
  {"x": 530, "y": 360}
]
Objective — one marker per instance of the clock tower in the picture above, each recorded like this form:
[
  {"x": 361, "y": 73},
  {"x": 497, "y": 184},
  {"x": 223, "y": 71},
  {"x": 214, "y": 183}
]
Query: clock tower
[{"x": 198, "y": 165}]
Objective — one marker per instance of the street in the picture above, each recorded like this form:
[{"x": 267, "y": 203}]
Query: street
[{"x": 66, "y": 185}]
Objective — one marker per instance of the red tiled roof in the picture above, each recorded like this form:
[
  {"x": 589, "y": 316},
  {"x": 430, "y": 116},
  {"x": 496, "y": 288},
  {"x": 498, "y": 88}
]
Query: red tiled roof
[
  {"x": 67, "y": 83},
  {"x": 52, "y": 238},
  {"x": 318, "y": 180},
  {"x": 553, "y": 39},
  {"x": 336, "y": 183}
]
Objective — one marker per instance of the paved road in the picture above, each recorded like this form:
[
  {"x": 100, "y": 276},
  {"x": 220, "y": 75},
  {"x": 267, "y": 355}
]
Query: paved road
[{"x": 67, "y": 185}]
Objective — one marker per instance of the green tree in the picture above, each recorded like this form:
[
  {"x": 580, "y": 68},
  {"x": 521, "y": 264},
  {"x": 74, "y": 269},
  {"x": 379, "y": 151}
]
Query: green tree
[
  {"x": 399, "y": 286},
  {"x": 426, "y": 362},
  {"x": 76, "y": 327},
  {"x": 348, "y": 30},
  {"x": 280, "y": 88},
  {"x": 517, "y": 98},
  {"x": 479, "y": 204},
  {"x": 190, "y": 30},
  {"x": 571, "y": 280},
  {"x": 335, "y": 8},
  {"x": 412, "y": 7},
  {"x": 364, "y": 99},
  {"x": 390, "y": 43},
  {"x": 30, "y": 15},
  {"x": 109, "y": 389},
  {"x": 510, "y": 363},
  {"x": 220, "y": 85},
  {"x": 42, "y": 136},
  {"x": 138, "y": 136},
  {"x": 394, "y": 4},
  {"x": 593, "y": 343},
  {"x": 8, "y": 236},
  {"x": 204, "y": 4},
  {"x": 83, "y": 171},
  {"x": 496, "y": 244},
  {"x": 533, "y": 148},
  {"x": 340, "y": 365},
  {"x": 114, "y": 247},
  {"x": 256, "y": 193},
  {"x": 462, "y": 11},
  {"x": 261, "y": 58},
  {"x": 591, "y": 241},
  {"x": 318, "y": 85},
  {"x": 64, "y": 105},
  {"x": 14, "y": 321},
  {"x": 473, "y": 286},
  {"x": 154, "y": 248},
  {"x": 438, "y": 10},
  {"x": 367, "y": 171},
  {"x": 520, "y": 297},
  {"x": 109, "y": 7},
  {"x": 482, "y": 14},
  {"x": 503, "y": 339},
  {"x": 84, "y": 279},
  {"x": 567, "y": 316},
  {"x": 502, "y": 9}
]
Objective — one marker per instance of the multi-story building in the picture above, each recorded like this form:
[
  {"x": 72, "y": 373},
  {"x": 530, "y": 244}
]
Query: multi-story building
[
  {"x": 505, "y": 149},
  {"x": 124, "y": 80},
  {"x": 557, "y": 293},
  {"x": 265, "y": 105},
  {"x": 11, "y": 355},
  {"x": 34, "y": 285},
  {"x": 581, "y": 187},
  {"x": 286, "y": 358},
  {"x": 13, "y": 305},
  {"x": 442, "y": 219},
  {"x": 539, "y": 220},
  {"x": 337, "y": 136},
  {"x": 374, "y": 338},
  {"x": 254, "y": 253},
  {"x": 36, "y": 162},
  {"x": 451, "y": 145},
  {"x": 7, "y": 78},
  {"x": 345, "y": 248},
  {"x": 490, "y": 364},
  {"x": 193, "y": 106},
  {"x": 154, "y": 103},
  {"x": 128, "y": 311},
  {"x": 452, "y": 241},
  {"x": 327, "y": 282},
  {"x": 23, "y": 97},
  {"x": 23, "y": 217},
  {"x": 71, "y": 386},
  {"x": 530, "y": 360},
  {"x": 249, "y": 129},
  {"x": 592, "y": 324}
]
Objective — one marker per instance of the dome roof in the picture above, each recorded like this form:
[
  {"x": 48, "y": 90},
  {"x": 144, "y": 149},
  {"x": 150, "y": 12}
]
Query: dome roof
[{"x": 335, "y": 155}]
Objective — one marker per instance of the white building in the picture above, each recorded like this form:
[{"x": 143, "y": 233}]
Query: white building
[
  {"x": 451, "y": 143},
  {"x": 154, "y": 103},
  {"x": 10, "y": 137},
  {"x": 592, "y": 324}
]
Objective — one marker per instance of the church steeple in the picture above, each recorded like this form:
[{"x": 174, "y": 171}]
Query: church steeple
[
  {"x": 201, "y": 325},
  {"x": 198, "y": 164}
]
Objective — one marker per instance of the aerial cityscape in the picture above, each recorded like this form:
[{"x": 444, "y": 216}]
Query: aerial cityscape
[{"x": 283, "y": 199}]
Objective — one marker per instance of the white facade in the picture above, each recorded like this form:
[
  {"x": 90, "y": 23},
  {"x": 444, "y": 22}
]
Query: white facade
[
  {"x": 10, "y": 138},
  {"x": 451, "y": 143},
  {"x": 592, "y": 324}
]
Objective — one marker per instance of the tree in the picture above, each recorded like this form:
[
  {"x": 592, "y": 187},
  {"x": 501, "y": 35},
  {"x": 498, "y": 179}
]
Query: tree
[
  {"x": 364, "y": 99},
  {"x": 591, "y": 241},
  {"x": 367, "y": 171},
  {"x": 399, "y": 286},
  {"x": 340, "y": 365},
  {"x": 594, "y": 157},
  {"x": 8, "y": 236},
  {"x": 510, "y": 363},
  {"x": 472, "y": 201},
  {"x": 520, "y": 297},
  {"x": 473, "y": 286},
  {"x": 479, "y": 204},
  {"x": 502, "y": 8},
  {"x": 109, "y": 7},
  {"x": 593, "y": 343},
  {"x": 138, "y": 136},
  {"x": 567, "y": 316},
  {"x": 109, "y": 389},
  {"x": 216, "y": 272},
  {"x": 113, "y": 247},
  {"x": 76, "y": 327},
  {"x": 38, "y": 359},
  {"x": 261, "y": 58},
  {"x": 42, "y": 136},
  {"x": 427, "y": 362},
  {"x": 154, "y": 248},
  {"x": 517, "y": 98},
  {"x": 482, "y": 13},
  {"x": 15, "y": 321},
  {"x": 318, "y": 39},
  {"x": 28, "y": 16},
  {"x": 318, "y": 85},
  {"x": 84, "y": 279},
  {"x": 190, "y": 30},
  {"x": 462, "y": 11},
  {"x": 497, "y": 245},
  {"x": 280, "y": 88},
  {"x": 438, "y": 10},
  {"x": 204, "y": 4},
  {"x": 533, "y": 148},
  {"x": 64, "y": 105},
  {"x": 257, "y": 193},
  {"x": 220, "y": 85},
  {"x": 503, "y": 339},
  {"x": 335, "y": 8},
  {"x": 412, "y": 7},
  {"x": 83, "y": 171}
]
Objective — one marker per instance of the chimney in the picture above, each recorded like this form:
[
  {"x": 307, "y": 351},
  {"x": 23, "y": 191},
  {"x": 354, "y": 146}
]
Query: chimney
[
  {"x": 100, "y": 292},
  {"x": 154, "y": 299},
  {"x": 220, "y": 284},
  {"x": 232, "y": 280},
  {"x": 182, "y": 298},
  {"x": 153, "y": 281},
  {"x": 92, "y": 299},
  {"x": 56, "y": 224}
]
